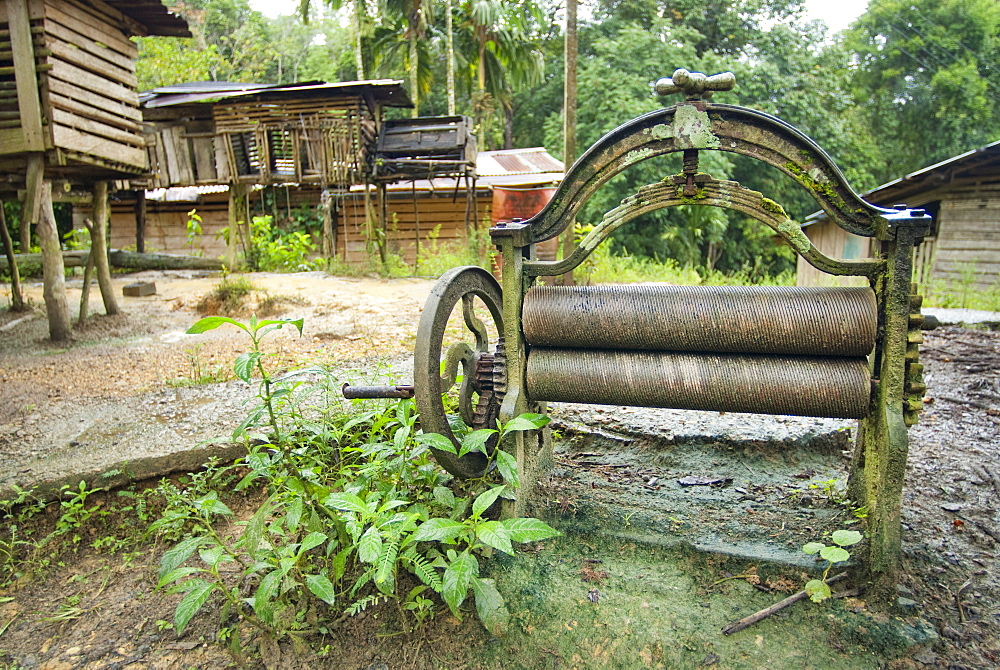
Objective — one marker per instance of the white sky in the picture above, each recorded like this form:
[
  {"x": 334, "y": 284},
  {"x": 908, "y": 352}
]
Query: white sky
[{"x": 837, "y": 14}]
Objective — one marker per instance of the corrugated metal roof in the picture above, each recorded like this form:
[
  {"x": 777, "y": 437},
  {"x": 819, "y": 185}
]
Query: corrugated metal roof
[
  {"x": 898, "y": 190},
  {"x": 516, "y": 161}
]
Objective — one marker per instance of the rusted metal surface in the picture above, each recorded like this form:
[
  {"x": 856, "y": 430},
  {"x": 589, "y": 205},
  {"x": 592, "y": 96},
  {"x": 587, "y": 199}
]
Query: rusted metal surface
[
  {"x": 801, "y": 320},
  {"x": 801, "y": 386},
  {"x": 458, "y": 285},
  {"x": 370, "y": 392}
]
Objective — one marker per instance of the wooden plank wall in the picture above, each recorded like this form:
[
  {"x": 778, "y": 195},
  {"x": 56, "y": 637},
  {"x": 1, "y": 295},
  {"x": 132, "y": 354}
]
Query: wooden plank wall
[
  {"x": 13, "y": 132},
  {"x": 91, "y": 85},
  {"x": 184, "y": 154},
  {"x": 434, "y": 213},
  {"x": 968, "y": 243},
  {"x": 166, "y": 227},
  {"x": 835, "y": 242}
]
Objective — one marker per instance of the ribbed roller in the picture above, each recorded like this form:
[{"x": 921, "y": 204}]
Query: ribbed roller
[
  {"x": 812, "y": 321},
  {"x": 765, "y": 384}
]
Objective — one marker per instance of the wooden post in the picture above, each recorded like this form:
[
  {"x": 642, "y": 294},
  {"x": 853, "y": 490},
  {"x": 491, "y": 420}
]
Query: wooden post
[
  {"x": 329, "y": 241},
  {"x": 88, "y": 274},
  {"x": 99, "y": 247},
  {"x": 28, "y": 101},
  {"x": 38, "y": 207},
  {"x": 140, "y": 220},
  {"x": 16, "y": 299},
  {"x": 239, "y": 225}
]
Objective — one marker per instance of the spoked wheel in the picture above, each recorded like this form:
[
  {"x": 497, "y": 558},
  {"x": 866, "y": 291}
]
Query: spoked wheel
[{"x": 480, "y": 391}]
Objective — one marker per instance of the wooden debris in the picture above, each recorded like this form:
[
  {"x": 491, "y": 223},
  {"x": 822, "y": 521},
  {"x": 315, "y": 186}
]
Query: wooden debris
[{"x": 746, "y": 622}]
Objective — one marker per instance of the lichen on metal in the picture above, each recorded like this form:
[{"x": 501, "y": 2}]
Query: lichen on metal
[{"x": 693, "y": 129}]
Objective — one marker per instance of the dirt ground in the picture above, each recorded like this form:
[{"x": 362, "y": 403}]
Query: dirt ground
[{"x": 95, "y": 612}]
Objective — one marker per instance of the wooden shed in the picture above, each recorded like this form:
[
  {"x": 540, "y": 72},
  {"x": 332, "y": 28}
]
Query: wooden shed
[
  {"x": 306, "y": 133},
  {"x": 963, "y": 195},
  {"x": 69, "y": 86},
  {"x": 69, "y": 114}
]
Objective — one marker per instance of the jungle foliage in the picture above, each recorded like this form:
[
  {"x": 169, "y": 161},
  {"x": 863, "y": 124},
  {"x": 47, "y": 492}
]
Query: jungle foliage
[{"x": 908, "y": 84}]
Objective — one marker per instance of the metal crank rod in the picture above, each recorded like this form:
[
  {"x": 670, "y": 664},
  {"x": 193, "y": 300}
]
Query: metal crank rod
[{"x": 370, "y": 392}]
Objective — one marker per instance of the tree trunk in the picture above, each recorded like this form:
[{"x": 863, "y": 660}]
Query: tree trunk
[
  {"x": 16, "y": 299},
  {"x": 569, "y": 122},
  {"x": 414, "y": 74},
  {"x": 124, "y": 259},
  {"x": 451, "y": 61},
  {"x": 99, "y": 247},
  {"x": 88, "y": 274},
  {"x": 53, "y": 272},
  {"x": 359, "y": 61}
]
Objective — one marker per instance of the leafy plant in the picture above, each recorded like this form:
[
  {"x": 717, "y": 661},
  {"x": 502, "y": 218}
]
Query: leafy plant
[
  {"x": 818, "y": 589},
  {"x": 273, "y": 249},
  {"x": 193, "y": 232},
  {"x": 357, "y": 515}
]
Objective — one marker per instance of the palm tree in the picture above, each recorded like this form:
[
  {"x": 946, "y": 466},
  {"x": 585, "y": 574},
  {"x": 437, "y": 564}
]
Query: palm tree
[{"x": 500, "y": 54}]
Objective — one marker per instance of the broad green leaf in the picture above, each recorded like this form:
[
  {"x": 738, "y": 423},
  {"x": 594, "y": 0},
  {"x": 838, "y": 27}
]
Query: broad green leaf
[
  {"x": 813, "y": 547},
  {"x": 490, "y": 606},
  {"x": 458, "y": 578},
  {"x": 245, "y": 364},
  {"x": 385, "y": 568},
  {"x": 835, "y": 554},
  {"x": 437, "y": 441},
  {"x": 483, "y": 502},
  {"x": 495, "y": 535},
  {"x": 399, "y": 438},
  {"x": 529, "y": 530},
  {"x": 211, "y": 323},
  {"x": 176, "y": 574},
  {"x": 211, "y": 503},
  {"x": 444, "y": 496},
  {"x": 526, "y": 422},
  {"x": 172, "y": 558},
  {"x": 253, "y": 533},
  {"x": 313, "y": 539},
  {"x": 277, "y": 323},
  {"x": 818, "y": 590},
  {"x": 267, "y": 591},
  {"x": 212, "y": 555},
  {"x": 293, "y": 513},
  {"x": 442, "y": 530},
  {"x": 475, "y": 442},
  {"x": 347, "y": 502},
  {"x": 846, "y": 538},
  {"x": 507, "y": 465},
  {"x": 370, "y": 545},
  {"x": 322, "y": 588},
  {"x": 191, "y": 603}
]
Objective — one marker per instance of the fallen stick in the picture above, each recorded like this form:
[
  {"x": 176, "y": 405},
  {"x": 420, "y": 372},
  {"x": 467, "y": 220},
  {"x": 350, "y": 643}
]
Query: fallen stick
[{"x": 746, "y": 622}]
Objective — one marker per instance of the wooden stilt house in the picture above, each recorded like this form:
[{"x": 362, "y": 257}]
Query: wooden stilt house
[{"x": 69, "y": 113}]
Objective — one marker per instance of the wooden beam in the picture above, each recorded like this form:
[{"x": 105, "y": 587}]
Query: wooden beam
[{"x": 25, "y": 75}]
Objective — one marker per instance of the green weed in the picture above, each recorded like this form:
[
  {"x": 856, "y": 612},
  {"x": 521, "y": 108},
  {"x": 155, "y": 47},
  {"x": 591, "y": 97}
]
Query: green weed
[
  {"x": 818, "y": 589},
  {"x": 357, "y": 514}
]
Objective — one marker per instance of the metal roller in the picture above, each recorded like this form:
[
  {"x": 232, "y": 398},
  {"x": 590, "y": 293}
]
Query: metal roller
[
  {"x": 798, "y": 320},
  {"x": 765, "y": 384}
]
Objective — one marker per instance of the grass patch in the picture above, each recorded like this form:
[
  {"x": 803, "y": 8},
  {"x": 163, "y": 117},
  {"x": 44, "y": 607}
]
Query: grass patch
[{"x": 238, "y": 296}]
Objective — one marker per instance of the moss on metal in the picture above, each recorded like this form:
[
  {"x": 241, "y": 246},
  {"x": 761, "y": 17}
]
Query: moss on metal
[{"x": 693, "y": 129}]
